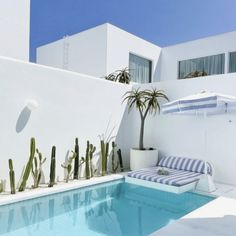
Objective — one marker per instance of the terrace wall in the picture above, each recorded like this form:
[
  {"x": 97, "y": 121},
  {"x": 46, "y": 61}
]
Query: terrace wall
[{"x": 69, "y": 105}]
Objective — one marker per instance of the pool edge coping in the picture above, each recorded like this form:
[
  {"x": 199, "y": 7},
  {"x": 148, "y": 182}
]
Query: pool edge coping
[{"x": 60, "y": 187}]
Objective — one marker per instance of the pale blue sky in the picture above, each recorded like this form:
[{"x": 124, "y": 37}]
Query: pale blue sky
[{"x": 163, "y": 22}]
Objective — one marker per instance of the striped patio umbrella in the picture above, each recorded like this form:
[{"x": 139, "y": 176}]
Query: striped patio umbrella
[{"x": 202, "y": 104}]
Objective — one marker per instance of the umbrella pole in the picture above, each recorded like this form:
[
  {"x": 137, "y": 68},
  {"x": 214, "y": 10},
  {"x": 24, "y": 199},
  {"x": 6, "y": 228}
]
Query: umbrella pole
[{"x": 205, "y": 143}]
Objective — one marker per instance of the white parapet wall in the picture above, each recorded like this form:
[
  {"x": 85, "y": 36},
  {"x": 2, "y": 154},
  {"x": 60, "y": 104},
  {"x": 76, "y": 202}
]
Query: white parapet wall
[
  {"x": 68, "y": 105},
  {"x": 14, "y": 28},
  {"x": 212, "y": 139}
]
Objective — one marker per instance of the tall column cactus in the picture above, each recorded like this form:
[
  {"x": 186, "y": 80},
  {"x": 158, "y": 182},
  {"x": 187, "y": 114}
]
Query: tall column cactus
[
  {"x": 37, "y": 168},
  {"x": 87, "y": 162},
  {"x": 114, "y": 165},
  {"x": 28, "y": 166},
  {"x": 52, "y": 168},
  {"x": 12, "y": 177},
  {"x": 76, "y": 161},
  {"x": 120, "y": 160},
  {"x": 104, "y": 155}
]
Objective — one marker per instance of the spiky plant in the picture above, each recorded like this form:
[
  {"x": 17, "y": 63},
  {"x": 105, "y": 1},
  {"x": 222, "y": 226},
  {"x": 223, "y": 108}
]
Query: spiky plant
[
  {"x": 111, "y": 77},
  {"x": 146, "y": 102},
  {"x": 123, "y": 76}
]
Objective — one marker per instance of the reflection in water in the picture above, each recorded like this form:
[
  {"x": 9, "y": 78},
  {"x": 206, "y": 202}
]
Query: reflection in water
[
  {"x": 51, "y": 206},
  {"x": 10, "y": 220},
  {"x": 110, "y": 209}
]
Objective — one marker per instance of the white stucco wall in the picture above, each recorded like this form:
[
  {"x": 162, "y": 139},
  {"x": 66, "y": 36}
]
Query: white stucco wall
[
  {"x": 97, "y": 51},
  {"x": 14, "y": 28},
  {"x": 185, "y": 135},
  {"x": 70, "y": 105},
  {"x": 85, "y": 52},
  {"x": 223, "y": 43}
]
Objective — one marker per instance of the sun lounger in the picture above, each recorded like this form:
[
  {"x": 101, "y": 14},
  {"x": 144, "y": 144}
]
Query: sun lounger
[{"x": 183, "y": 174}]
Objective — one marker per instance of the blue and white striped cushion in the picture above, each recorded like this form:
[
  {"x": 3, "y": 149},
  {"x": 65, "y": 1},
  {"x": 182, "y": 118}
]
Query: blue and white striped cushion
[
  {"x": 184, "y": 163},
  {"x": 174, "y": 178}
]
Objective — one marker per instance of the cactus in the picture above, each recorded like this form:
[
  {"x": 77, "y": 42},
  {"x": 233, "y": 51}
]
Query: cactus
[
  {"x": 87, "y": 162},
  {"x": 28, "y": 166},
  {"x": 2, "y": 185},
  {"x": 12, "y": 177},
  {"x": 113, "y": 165},
  {"x": 68, "y": 166},
  {"x": 104, "y": 155},
  {"x": 76, "y": 161},
  {"x": 92, "y": 149},
  {"x": 52, "y": 167},
  {"x": 120, "y": 160},
  {"x": 37, "y": 168}
]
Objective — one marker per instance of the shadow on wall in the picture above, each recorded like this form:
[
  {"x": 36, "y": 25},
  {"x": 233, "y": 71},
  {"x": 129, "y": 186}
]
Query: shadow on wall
[{"x": 23, "y": 119}]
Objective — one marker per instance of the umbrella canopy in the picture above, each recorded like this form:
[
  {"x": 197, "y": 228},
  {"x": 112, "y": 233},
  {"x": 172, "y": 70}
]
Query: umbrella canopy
[{"x": 204, "y": 103}]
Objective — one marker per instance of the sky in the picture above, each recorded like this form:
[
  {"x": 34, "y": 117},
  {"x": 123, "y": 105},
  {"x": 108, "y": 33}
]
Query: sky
[{"x": 163, "y": 22}]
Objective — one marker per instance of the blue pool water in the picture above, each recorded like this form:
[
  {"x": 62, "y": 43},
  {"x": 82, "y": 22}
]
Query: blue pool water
[{"x": 115, "y": 208}]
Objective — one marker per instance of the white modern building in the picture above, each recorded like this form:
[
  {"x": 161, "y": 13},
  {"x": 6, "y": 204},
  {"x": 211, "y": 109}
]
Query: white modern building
[
  {"x": 63, "y": 97},
  {"x": 106, "y": 48},
  {"x": 15, "y": 29},
  {"x": 100, "y": 51}
]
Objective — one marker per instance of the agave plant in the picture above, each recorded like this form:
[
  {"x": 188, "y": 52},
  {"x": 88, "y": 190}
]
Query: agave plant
[
  {"x": 122, "y": 76},
  {"x": 111, "y": 77},
  {"x": 146, "y": 102}
]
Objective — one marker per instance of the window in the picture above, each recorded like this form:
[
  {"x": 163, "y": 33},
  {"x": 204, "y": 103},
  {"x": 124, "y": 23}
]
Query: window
[
  {"x": 203, "y": 66},
  {"x": 140, "y": 69},
  {"x": 232, "y": 62}
]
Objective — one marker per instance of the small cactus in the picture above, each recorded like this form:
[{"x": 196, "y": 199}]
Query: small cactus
[
  {"x": 37, "y": 168},
  {"x": 12, "y": 177},
  {"x": 76, "y": 161},
  {"x": 2, "y": 185},
  {"x": 52, "y": 167},
  {"x": 28, "y": 166},
  {"x": 68, "y": 166},
  {"x": 92, "y": 149}
]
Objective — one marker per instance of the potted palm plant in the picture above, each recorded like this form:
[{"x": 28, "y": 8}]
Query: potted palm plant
[{"x": 146, "y": 102}]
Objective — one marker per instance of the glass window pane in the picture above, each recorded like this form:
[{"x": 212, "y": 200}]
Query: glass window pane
[
  {"x": 140, "y": 69},
  {"x": 203, "y": 66},
  {"x": 232, "y": 62}
]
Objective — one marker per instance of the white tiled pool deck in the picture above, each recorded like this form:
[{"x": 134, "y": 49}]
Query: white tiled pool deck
[{"x": 217, "y": 218}]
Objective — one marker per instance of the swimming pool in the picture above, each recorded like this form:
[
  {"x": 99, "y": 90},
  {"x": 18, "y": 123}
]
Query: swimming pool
[{"x": 114, "y": 208}]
